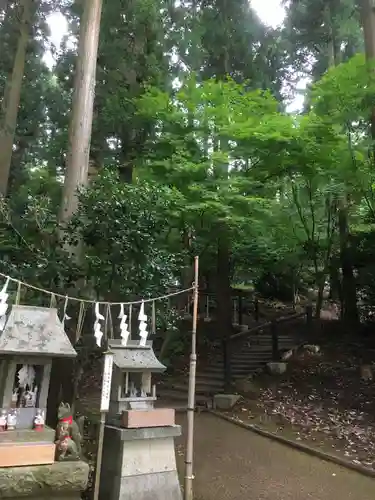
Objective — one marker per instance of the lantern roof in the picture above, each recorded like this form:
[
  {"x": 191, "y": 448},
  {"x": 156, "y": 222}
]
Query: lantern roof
[
  {"x": 134, "y": 357},
  {"x": 35, "y": 331}
]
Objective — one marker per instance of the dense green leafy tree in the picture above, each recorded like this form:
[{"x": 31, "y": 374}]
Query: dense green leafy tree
[{"x": 189, "y": 113}]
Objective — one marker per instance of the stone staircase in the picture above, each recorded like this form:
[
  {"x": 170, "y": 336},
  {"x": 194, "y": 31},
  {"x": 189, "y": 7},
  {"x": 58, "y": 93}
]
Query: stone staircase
[{"x": 250, "y": 354}]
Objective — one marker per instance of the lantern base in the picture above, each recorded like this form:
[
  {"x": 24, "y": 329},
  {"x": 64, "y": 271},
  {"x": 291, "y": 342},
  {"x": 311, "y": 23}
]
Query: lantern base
[{"x": 139, "y": 463}]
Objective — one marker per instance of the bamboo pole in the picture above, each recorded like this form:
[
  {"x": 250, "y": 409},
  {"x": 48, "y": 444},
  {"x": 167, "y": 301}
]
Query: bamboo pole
[{"x": 188, "y": 486}]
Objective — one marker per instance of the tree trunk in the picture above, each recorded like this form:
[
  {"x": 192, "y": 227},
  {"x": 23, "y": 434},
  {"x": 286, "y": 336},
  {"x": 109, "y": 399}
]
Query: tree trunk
[
  {"x": 11, "y": 101},
  {"x": 320, "y": 297},
  {"x": 334, "y": 280},
  {"x": 368, "y": 23},
  {"x": 348, "y": 285},
  {"x": 349, "y": 291},
  {"x": 126, "y": 165},
  {"x": 224, "y": 299},
  {"x": 77, "y": 163},
  {"x": 187, "y": 272}
]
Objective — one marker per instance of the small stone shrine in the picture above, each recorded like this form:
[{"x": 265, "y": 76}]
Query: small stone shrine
[
  {"x": 31, "y": 339},
  {"x": 139, "y": 456},
  {"x": 132, "y": 393}
]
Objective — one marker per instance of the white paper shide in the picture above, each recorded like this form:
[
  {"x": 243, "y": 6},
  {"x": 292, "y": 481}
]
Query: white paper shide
[
  {"x": 124, "y": 330},
  {"x": 3, "y": 305},
  {"x": 142, "y": 318},
  {"x": 98, "y": 333}
]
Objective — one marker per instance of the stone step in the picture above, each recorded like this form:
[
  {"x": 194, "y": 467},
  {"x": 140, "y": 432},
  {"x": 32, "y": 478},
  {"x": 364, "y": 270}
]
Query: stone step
[
  {"x": 256, "y": 346},
  {"x": 257, "y": 343},
  {"x": 264, "y": 335},
  {"x": 207, "y": 379},
  {"x": 260, "y": 339},
  {"x": 256, "y": 349},
  {"x": 200, "y": 390},
  {"x": 178, "y": 396},
  {"x": 215, "y": 370},
  {"x": 251, "y": 354},
  {"x": 245, "y": 363},
  {"x": 242, "y": 366},
  {"x": 246, "y": 369},
  {"x": 250, "y": 363},
  {"x": 202, "y": 369}
]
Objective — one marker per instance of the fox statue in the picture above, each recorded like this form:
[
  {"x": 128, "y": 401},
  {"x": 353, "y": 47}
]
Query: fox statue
[{"x": 68, "y": 434}]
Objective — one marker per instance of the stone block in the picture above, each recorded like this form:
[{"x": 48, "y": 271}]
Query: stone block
[
  {"x": 163, "y": 486},
  {"x": 156, "y": 417},
  {"x": 61, "y": 480},
  {"x": 139, "y": 463},
  {"x": 247, "y": 386},
  {"x": 113, "y": 433},
  {"x": 140, "y": 457},
  {"x": 225, "y": 401},
  {"x": 276, "y": 368}
]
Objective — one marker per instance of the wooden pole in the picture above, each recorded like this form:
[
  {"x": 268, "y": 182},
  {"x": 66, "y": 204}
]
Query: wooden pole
[
  {"x": 256, "y": 309},
  {"x": 309, "y": 320},
  {"x": 275, "y": 341},
  {"x": 188, "y": 486},
  {"x": 104, "y": 407},
  {"x": 240, "y": 309}
]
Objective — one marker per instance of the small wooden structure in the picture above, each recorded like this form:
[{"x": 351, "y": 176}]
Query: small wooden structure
[
  {"x": 32, "y": 337},
  {"x": 132, "y": 393}
]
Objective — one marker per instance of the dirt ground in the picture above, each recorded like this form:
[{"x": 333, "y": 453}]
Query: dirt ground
[
  {"x": 232, "y": 463},
  {"x": 321, "y": 400}
]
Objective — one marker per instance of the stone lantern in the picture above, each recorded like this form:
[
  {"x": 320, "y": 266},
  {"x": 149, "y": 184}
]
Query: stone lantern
[
  {"x": 132, "y": 393},
  {"x": 139, "y": 453},
  {"x": 31, "y": 338}
]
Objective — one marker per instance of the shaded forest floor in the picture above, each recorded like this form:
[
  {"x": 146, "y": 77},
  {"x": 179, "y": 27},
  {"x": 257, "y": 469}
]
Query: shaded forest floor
[
  {"x": 321, "y": 401},
  {"x": 231, "y": 463}
]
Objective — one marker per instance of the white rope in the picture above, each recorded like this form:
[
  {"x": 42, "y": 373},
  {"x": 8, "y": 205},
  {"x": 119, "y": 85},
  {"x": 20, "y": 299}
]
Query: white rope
[{"x": 86, "y": 301}]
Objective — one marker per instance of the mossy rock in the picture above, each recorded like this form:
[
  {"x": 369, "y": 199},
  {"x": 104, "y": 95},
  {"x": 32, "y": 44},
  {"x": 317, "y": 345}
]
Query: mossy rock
[
  {"x": 44, "y": 481},
  {"x": 248, "y": 387}
]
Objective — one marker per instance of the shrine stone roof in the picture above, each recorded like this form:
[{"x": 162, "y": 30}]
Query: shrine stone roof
[
  {"x": 134, "y": 357},
  {"x": 35, "y": 331}
]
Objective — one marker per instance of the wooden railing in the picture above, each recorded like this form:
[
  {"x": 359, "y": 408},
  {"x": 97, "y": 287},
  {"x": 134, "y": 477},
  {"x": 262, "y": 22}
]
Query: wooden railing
[
  {"x": 274, "y": 327},
  {"x": 241, "y": 303}
]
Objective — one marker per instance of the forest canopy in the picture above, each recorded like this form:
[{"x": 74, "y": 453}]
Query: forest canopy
[{"x": 194, "y": 151}]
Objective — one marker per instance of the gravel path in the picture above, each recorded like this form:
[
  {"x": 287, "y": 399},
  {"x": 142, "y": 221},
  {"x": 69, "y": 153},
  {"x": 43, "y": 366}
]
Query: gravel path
[{"x": 232, "y": 463}]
